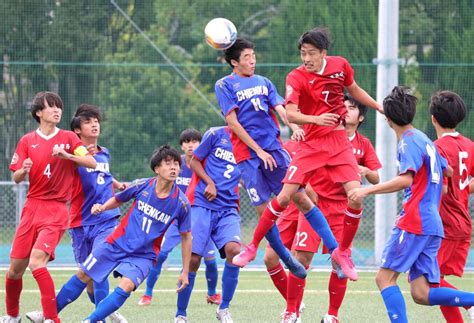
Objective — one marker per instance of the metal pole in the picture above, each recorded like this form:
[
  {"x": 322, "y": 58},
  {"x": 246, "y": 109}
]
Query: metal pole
[{"x": 386, "y": 141}]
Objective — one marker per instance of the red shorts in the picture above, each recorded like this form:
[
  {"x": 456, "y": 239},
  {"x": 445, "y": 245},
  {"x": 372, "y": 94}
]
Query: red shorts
[
  {"x": 452, "y": 256},
  {"x": 332, "y": 151},
  {"x": 287, "y": 229},
  {"x": 42, "y": 224},
  {"x": 307, "y": 239}
]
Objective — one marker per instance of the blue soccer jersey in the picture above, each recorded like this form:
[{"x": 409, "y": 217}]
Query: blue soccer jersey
[
  {"x": 141, "y": 231},
  {"x": 215, "y": 153},
  {"x": 185, "y": 175},
  {"x": 92, "y": 186},
  {"x": 420, "y": 212},
  {"x": 253, "y": 98}
]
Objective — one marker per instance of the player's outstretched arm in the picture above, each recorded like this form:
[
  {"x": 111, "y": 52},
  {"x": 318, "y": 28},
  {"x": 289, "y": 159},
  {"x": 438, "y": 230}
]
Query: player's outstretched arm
[
  {"x": 372, "y": 176},
  {"x": 111, "y": 203},
  {"x": 236, "y": 127},
  {"x": 80, "y": 156},
  {"x": 186, "y": 248},
  {"x": 295, "y": 116},
  {"x": 119, "y": 185},
  {"x": 210, "y": 192},
  {"x": 20, "y": 174},
  {"x": 396, "y": 184},
  {"x": 363, "y": 97},
  {"x": 297, "y": 132}
]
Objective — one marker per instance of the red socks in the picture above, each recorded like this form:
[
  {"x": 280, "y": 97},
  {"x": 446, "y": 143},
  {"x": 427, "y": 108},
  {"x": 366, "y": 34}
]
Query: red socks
[
  {"x": 294, "y": 293},
  {"x": 13, "y": 289},
  {"x": 279, "y": 278},
  {"x": 337, "y": 289},
  {"x": 351, "y": 224},
  {"x": 48, "y": 294},
  {"x": 271, "y": 213}
]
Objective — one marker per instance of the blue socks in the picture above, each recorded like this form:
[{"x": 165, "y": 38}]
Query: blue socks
[
  {"x": 230, "y": 278},
  {"x": 319, "y": 223},
  {"x": 211, "y": 275},
  {"x": 450, "y": 297},
  {"x": 109, "y": 305},
  {"x": 185, "y": 295},
  {"x": 101, "y": 290},
  {"x": 69, "y": 292},
  {"x": 395, "y": 304},
  {"x": 273, "y": 237},
  {"x": 154, "y": 274}
]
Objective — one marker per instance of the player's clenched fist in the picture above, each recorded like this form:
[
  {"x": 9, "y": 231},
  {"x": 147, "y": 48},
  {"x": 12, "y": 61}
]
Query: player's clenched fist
[
  {"x": 27, "y": 163},
  {"x": 97, "y": 208}
]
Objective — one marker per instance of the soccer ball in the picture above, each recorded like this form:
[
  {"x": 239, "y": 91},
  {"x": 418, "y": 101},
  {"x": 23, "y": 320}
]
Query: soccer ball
[{"x": 220, "y": 33}]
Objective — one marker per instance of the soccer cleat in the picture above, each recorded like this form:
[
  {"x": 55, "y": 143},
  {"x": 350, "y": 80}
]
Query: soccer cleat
[
  {"x": 145, "y": 300},
  {"x": 245, "y": 256},
  {"x": 89, "y": 321},
  {"x": 295, "y": 267},
  {"x": 224, "y": 315},
  {"x": 342, "y": 260},
  {"x": 35, "y": 316},
  {"x": 180, "y": 319},
  {"x": 48, "y": 321},
  {"x": 10, "y": 319},
  {"x": 116, "y": 317},
  {"x": 214, "y": 299},
  {"x": 470, "y": 314},
  {"x": 302, "y": 308},
  {"x": 288, "y": 317},
  {"x": 329, "y": 319}
]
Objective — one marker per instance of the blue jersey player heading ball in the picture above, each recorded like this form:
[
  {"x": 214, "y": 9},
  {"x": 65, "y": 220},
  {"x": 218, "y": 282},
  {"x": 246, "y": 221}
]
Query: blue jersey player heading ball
[
  {"x": 132, "y": 248},
  {"x": 417, "y": 236}
]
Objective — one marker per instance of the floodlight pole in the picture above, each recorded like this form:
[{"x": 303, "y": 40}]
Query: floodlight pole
[{"x": 386, "y": 141}]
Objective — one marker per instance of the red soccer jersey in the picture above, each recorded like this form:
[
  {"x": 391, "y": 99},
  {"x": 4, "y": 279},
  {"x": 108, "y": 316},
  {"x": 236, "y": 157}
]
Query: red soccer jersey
[
  {"x": 365, "y": 156},
  {"x": 51, "y": 178},
  {"x": 318, "y": 93},
  {"x": 291, "y": 212},
  {"x": 458, "y": 151}
]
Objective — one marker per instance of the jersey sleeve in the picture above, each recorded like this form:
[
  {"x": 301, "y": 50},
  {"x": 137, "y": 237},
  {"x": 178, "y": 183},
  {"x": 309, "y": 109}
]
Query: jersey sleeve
[
  {"x": 132, "y": 190},
  {"x": 293, "y": 89},
  {"x": 410, "y": 157},
  {"x": 205, "y": 147},
  {"x": 471, "y": 171},
  {"x": 21, "y": 153},
  {"x": 370, "y": 160},
  {"x": 273, "y": 96},
  {"x": 184, "y": 216},
  {"x": 349, "y": 79},
  {"x": 224, "y": 97}
]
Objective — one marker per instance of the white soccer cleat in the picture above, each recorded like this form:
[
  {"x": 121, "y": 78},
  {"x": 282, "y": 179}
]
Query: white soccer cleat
[
  {"x": 224, "y": 315},
  {"x": 329, "y": 319},
  {"x": 470, "y": 314},
  {"x": 116, "y": 317},
  {"x": 35, "y": 316},
  {"x": 180, "y": 319},
  {"x": 10, "y": 319},
  {"x": 48, "y": 321},
  {"x": 288, "y": 317}
]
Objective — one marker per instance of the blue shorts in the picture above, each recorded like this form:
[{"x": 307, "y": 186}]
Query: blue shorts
[
  {"x": 88, "y": 237},
  {"x": 411, "y": 252},
  {"x": 259, "y": 182},
  {"x": 171, "y": 240},
  {"x": 214, "y": 227},
  {"x": 107, "y": 257}
]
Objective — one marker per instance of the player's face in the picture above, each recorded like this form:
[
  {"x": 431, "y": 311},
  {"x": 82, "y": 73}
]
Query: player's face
[
  {"x": 352, "y": 116},
  {"x": 90, "y": 128},
  {"x": 168, "y": 169},
  {"x": 188, "y": 147},
  {"x": 50, "y": 114},
  {"x": 312, "y": 57},
  {"x": 246, "y": 64}
]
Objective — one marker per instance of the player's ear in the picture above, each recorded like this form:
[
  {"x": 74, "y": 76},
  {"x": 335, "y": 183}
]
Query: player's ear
[
  {"x": 234, "y": 62},
  {"x": 433, "y": 120},
  {"x": 361, "y": 118}
]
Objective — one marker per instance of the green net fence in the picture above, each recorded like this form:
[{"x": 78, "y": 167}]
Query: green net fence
[{"x": 146, "y": 64}]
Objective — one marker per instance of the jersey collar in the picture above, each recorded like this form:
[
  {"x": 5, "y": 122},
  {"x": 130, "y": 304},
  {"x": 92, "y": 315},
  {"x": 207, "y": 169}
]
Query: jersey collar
[
  {"x": 47, "y": 137},
  {"x": 451, "y": 134}
]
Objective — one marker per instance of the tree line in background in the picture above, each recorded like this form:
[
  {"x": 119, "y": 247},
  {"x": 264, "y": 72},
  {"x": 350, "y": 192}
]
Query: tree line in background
[{"x": 89, "y": 53}]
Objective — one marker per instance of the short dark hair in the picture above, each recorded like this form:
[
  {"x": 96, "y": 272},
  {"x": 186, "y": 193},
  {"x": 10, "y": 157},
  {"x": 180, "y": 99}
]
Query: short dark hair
[
  {"x": 400, "y": 106},
  {"x": 234, "y": 51},
  {"x": 39, "y": 100},
  {"x": 319, "y": 37},
  {"x": 85, "y": 112},
  {"x": 361, "y": 107},
  {"x": 448, "y": 108},
  {"x": 189, "y": 134},
  {"x": 165, "y": 152}
]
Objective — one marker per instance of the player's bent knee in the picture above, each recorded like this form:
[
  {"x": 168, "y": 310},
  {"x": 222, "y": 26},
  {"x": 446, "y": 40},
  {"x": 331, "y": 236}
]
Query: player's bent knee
[
  {"x": 194, "y": 263},
  {"x": 419, "y": 297},
  {"x": 232, "y": 249},
  {"x": 127, "y": 285},
  {"x": 83, "y": 277}
]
